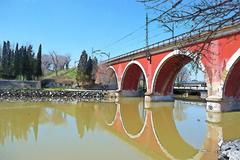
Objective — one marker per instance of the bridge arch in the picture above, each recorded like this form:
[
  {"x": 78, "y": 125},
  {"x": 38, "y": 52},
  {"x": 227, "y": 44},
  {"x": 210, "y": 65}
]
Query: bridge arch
[
  {"x": 167, "y": 70},
  {"x": 112, "y": 78},
  {"x": 131, "y": 76},
  {"x": 231, "y": 88}
]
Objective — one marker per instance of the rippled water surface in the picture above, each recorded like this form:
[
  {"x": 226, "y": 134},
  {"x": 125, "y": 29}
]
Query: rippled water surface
[{"x": 129, "y": 129}]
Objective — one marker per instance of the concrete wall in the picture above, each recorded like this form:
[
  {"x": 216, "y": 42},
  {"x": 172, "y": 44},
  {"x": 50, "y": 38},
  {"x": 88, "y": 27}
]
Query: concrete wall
[{"x": 15, "y": 84}]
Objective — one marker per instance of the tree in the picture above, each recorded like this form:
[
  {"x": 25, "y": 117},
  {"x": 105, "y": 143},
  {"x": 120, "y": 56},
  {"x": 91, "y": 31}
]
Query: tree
[
  {"x": 11, "y": 64},
  {"x": 94, "y": 68},
  {"x": 183, "y": 75},
  {"x": 81, "y": 69},
  {"x": 68, "y": 60},
  {"x": 52, "y": 61},
  {"x": 22, "y": 53},
  {"x": 1, "y": 70},
  {"x": 194, "y": 14},
  {"x": 0, "y": 54},
  {"x": 6, "y": 60},
  {"x": 191, "y": 15},
  {"x": 89, "y": 69},
  {"x": 17, "y": 62},
  {"x": 55, "y": 61},
  {"x": 38, "y": 69},
  {"x": 28, "y": 63}
]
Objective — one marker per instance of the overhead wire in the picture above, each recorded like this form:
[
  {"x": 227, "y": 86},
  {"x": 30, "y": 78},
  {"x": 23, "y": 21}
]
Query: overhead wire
[{"x": 137, "y": 30}]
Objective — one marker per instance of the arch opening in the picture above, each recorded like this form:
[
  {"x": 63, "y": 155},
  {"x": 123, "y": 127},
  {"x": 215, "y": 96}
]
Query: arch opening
[
  {"x": 232, "y": 86},
  {"x": 176, "y": 76},
  {"x": 111, "y": 82},
  {"x": 133, "y": 81},
  {"x": 167, "y": 74}
]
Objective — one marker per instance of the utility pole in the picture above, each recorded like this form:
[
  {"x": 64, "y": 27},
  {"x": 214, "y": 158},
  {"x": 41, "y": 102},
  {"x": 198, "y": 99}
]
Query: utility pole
[
  {"x": 148, "y": 55},
  {"x": 146, "y": 30}
]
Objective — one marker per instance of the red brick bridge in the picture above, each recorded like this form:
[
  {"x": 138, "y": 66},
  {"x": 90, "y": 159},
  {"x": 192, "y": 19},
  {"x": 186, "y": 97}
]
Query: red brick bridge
[{"x": 159, "y": 64}]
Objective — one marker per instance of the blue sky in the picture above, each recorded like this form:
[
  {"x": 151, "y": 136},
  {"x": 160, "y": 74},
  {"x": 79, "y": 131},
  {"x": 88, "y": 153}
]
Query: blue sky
[{"x": 70, "y": 26}]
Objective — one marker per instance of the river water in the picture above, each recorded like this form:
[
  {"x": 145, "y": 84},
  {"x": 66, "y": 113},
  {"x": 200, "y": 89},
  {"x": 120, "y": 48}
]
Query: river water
[{"x": 129, "y": 129}]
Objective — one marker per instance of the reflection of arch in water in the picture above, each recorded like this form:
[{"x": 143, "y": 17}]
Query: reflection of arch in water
[
  {"x": 109, "y": 112},
  {"x": 142, "y": 138},
  {"x": 133, "y": 117},
  {"x": 168, "y": 137},
  {"x": 229, "y": 121}
]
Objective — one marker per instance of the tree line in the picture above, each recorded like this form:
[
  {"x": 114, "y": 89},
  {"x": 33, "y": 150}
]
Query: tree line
[
  {"x": 86, "y": 69},
  {"x": 20, "y": 63}
]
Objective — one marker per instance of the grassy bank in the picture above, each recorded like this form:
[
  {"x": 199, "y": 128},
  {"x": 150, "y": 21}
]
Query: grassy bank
[{"x": 66, "y": 74}]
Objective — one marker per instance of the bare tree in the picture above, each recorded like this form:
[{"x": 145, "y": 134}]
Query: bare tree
[
  {"x": 183, "y": 75},
  {"x": 101, "y": 76},
  {"x": 55, "y": 61},
  {"x": 192, "y": 15},
  {"x": 68, "y": 60},
  {"x": 48, "y": 61}
]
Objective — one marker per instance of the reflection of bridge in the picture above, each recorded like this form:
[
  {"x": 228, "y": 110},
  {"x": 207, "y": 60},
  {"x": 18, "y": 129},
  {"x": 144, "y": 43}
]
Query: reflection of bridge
[
  {"x": 153, "y": 132},
  {"x": 156, "y": 133},
  {"x": 219, "y": 60}
]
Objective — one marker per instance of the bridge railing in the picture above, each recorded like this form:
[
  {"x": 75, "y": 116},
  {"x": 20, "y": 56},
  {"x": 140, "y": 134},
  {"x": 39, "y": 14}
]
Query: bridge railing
[
  {"x": 191, "y": 86},
  {"x": 193, "y": 33},
  {"x": 194, "y": 88}
]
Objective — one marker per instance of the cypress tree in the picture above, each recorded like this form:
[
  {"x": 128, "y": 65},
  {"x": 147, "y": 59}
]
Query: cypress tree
[
  {"x": 39, "y": 62},
  {"x": 29, "y": 63},
  {"x": 4, "y": 59},
  {"x": 9, "y": 56},
  {"x": 89, "y": 69},
  {"x": 16, "y": 62},
  {"x": 94, "y": 68},
  {"x": 25, "y": 63},
  {"x": 11, "y": 64},
  {"x": 21, "y": 61},
  {"x": 81, "y": 70},
  {"x": 1, "y": 70}
]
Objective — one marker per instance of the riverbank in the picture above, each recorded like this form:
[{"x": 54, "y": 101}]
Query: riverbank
[
  {"x": 55, "y": 95},
  {"x": 229, "y": 150}
]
